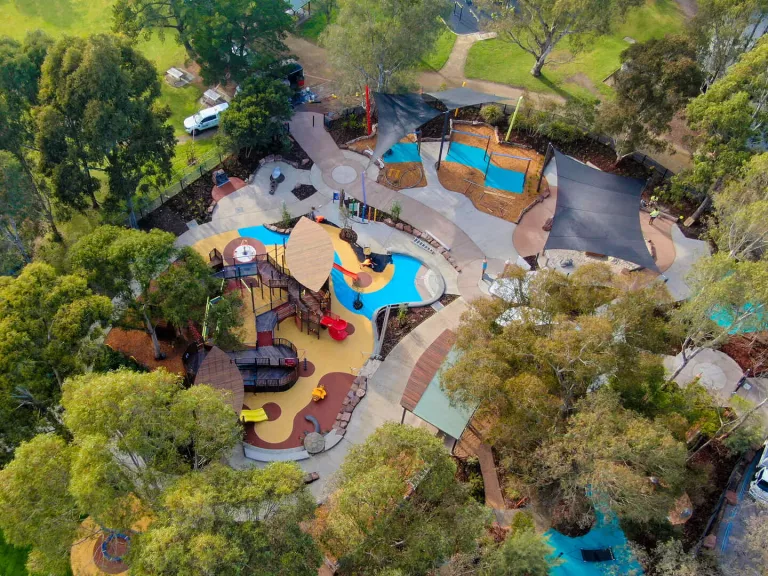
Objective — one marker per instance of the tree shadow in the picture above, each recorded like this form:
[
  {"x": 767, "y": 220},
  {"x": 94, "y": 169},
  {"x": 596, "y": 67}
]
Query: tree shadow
[
  {"x": 61, "y": 13},
  {"x": 557, "y": 89}
]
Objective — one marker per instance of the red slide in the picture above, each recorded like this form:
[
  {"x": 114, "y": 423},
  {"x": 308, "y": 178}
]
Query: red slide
[
  {"x": 337, "y": 327},
  {"x": 345, "y": 271}
]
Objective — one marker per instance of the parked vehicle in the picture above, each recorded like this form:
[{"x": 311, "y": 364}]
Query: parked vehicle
[
  {"x": 205, "y": 119},
  {"x": 759, "y": 486}
]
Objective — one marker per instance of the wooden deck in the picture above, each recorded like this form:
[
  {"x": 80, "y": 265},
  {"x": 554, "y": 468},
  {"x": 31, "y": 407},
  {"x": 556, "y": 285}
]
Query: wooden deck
[{"x": 425, "y": 369}]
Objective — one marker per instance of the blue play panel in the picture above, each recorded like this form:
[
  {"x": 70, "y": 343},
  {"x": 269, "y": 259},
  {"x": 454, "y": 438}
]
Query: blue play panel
[
  {"x": 263, "y": 235},
  {"x": 403, "y": 152},
  {"x": 499, "y": 178},
  {"x": 402, "y": 287}
]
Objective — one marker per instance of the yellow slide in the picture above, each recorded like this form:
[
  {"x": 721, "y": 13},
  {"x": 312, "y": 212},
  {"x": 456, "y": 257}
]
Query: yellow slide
[{"x": 253, "y": 416}]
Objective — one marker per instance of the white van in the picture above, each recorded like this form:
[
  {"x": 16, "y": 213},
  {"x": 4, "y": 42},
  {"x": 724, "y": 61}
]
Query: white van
[
  {"x": 759, "y": 486},
  {"x": 205, "y": 119}
]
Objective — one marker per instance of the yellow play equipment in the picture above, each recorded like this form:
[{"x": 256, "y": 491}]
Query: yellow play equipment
[
  {"x": 319, "y": 393},
  {"x": 258, "y": 415}
]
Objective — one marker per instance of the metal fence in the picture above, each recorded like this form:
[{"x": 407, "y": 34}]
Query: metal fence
[{"x": 182, "y": 179}]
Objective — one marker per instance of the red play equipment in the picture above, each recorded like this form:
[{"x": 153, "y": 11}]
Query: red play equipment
[
  {"x": 337, "y": 327},
  {"x": 345, "y": 271}
]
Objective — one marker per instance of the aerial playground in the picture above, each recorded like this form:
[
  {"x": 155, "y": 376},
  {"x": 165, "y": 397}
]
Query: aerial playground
[{"x": 308, "y": 297}]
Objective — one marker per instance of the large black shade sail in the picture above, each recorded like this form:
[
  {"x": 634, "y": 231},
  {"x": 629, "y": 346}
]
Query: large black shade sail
[
  {"x": 598, "y": 212},
  {"x": 399, "y": 115},
  {"x": 461, "y": 97}
]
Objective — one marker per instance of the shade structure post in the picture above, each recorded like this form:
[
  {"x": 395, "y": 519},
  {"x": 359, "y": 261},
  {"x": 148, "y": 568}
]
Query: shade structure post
[
  {"x": 442, "y": 138},
  {"x": 368, "y": 110},
  {"x": 488, "y": 165},
  {"x": 488, "y": 145},
  {"x": 362, "y": 179}
]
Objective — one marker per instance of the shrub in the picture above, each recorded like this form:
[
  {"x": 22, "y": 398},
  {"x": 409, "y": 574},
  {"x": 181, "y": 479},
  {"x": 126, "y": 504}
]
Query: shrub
[
  {"x": 492, "y": 114},
  {"x": 395, "y": 209}
]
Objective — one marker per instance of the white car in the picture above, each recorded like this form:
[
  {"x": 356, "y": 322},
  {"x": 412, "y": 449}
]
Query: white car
[
  {"x": 205, "y": 119},
  {"x": 759, "y": 486}
]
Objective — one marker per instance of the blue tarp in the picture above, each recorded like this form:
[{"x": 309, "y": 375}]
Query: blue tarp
[
  {"x": 402, "y": 152},
  {"x": 605, "y": 534},
  {"x": 499, "y": 178}
]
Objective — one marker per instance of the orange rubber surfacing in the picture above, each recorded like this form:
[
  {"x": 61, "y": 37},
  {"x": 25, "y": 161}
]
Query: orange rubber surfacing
[{"x": 309, "y": 254}]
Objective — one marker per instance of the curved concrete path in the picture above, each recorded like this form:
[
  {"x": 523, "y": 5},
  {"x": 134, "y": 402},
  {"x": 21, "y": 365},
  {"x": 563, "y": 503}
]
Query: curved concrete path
[{"x": 319, "y": 145}]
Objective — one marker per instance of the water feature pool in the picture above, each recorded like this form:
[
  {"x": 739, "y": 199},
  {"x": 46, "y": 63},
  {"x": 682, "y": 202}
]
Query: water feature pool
[{"x": 402, "y": 287}]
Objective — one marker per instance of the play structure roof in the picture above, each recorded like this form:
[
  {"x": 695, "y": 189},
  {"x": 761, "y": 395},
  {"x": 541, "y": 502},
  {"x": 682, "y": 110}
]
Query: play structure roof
[
  {"x": 399, "y": 115},
  {"x": 423, "y": 395},
  {"x": 309, "y": 254},
  {"x": 219, "y": 371},
  {"x": 598, "y": 212},
  {"x": 460, "y": 97}
]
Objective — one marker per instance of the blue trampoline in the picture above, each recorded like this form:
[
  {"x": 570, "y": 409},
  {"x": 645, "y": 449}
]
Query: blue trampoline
[
  {"x": 496, "y": 177},
  {"x": 402, "y": 152},
  {"x": 601, "y": 549}
]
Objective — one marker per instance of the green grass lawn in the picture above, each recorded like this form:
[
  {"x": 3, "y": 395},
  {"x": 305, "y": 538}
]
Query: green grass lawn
[
  {"x": 441, "y": 51},
  {"x": 12, "y": 560},
  {"x": 313, "y": 26},
  {"x": 583, "y": 75},
  {"x": 83, "y": 17}
]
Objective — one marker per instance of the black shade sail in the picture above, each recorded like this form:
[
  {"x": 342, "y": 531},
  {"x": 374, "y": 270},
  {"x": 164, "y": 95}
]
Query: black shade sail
[
  {"x": 399, "y": 115},
  {"x": 598, "y": 212},
  {"x": 460, "y": 97}
]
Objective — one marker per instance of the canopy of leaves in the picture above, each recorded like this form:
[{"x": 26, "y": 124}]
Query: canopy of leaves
[
  {"x": 379, "y": 42},
  {"x": 223, "y": 522},
  {"x": 19, "y": 211},
  {"x": 35, "y": 507},
  {"x": 136, "y": 18},
  {"x": 98, "y": 109},
  {"x": 628, "y": 464},
  {"x": 233, "y": 39},
  {"x": 523, "y": 553},
  {"x": 48, "y": 327},
  {"x": 398, "y": 506},
  {"x": 256, "y": 118}
]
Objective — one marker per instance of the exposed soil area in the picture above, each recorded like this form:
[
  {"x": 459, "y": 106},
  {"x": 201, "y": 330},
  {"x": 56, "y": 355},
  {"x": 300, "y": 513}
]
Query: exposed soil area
[
  {"x": 137, "y": 345},
  {"x": 719, "y": 463},
  {"x": 304, "y": 191},
  {"x": 347, "y": 128},
  {"x": 398, "y": 328},
  {"x": 750, "y": 351}
]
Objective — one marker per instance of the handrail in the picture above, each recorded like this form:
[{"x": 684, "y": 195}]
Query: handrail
[{"x": 286, "y": 343}]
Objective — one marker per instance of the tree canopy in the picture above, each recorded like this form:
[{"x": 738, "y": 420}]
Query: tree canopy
[
  {"x": 137, "y": 267},
  {"x": 233, "y": 39},
  {"x": 256, "y": 118},
  {"x": 98, "y": 111},
  {"x": 397, "y": 506},
  {"x": 538, "y": 26},
  {"x": 379, "y": 42}
]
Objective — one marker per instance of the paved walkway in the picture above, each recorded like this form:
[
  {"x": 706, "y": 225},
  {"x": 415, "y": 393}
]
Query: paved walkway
[
  {"x": 717, "y": 372},
  {"x": 319, "y": 145}
]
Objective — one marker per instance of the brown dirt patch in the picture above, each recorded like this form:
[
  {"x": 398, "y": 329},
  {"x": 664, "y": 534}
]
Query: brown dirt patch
[
  {"x": 396, "y": 330},
  {"x": 137, "y": 345},
  {"x": 750, "y": 351},
  {"x": 582, "y": 80},
  {"x": 337, "y": 385},
  {"x": 470, "y": 181}
]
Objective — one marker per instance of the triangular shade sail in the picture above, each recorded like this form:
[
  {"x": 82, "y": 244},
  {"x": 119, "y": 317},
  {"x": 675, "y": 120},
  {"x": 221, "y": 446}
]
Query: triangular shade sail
[
  {"x": 460, "y": 97},
  {"x": 399, "y": 115},
  {"x": 598, "y": 212}
]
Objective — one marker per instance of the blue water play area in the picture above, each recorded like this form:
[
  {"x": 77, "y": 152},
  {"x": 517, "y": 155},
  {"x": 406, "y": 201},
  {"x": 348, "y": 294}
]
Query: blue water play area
[
  {"x": 606, "y": 539},
  {"x": 474, "y": 157},
  {"x": 263, "y": 235},
  {"x": 402, "y": 287},
  {"x": 402, "y": 152}
]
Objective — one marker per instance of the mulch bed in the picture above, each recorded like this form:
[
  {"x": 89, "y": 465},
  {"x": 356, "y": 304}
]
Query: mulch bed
[
  {"x": 414, "y": 317},
  {"x": 137, "y": 345},
  {"x": 719, "y": 463},
  {"x": 750, "y": 351},
  {"x": 342, "y": 130},
  {"x": 304, "y": 191},
  {"x": 117, "y": 548}
]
